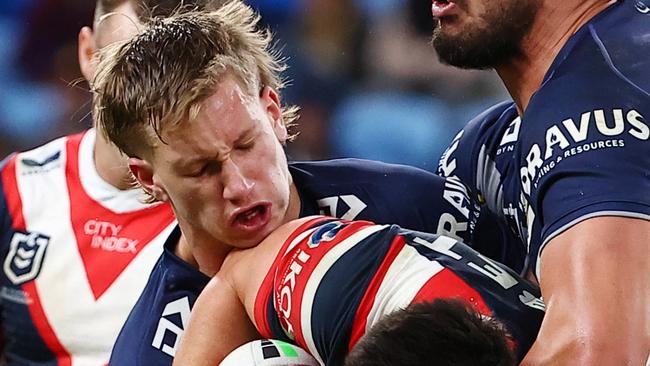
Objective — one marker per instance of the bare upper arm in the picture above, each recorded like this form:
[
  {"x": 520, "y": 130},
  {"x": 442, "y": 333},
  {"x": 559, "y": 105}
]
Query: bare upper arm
[
  {"x": 595, "y": 280},
  {"x": 218, "y": 324},
  {"x": 219, "y": 321}
]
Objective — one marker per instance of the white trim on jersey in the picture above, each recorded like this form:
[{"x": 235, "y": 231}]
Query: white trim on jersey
[
  {"x": 488, "y": 181},
  {"x": 64, "y": 290},
  {"x": 568, "y": 225},
  {"x": 298, "y": 239},
  {"x": 112, "y": 198},
  {"x": 408, "y": 273},
  {"x": 316, "y": 277}
]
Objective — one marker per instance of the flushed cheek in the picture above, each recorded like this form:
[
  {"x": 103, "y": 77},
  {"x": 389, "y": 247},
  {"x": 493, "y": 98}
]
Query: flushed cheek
[
  {"x": 279, "y": 184},
  {"x": 202, "y": 202}
]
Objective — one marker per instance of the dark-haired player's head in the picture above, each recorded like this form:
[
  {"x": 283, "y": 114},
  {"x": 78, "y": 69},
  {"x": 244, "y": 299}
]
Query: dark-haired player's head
[
  {"x": 480, "y": 34},
  {"x": 441, "y": 333}
]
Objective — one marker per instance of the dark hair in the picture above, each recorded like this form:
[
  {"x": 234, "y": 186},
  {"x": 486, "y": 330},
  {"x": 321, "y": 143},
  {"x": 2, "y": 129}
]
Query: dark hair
[{"x": 443, "y": 332}]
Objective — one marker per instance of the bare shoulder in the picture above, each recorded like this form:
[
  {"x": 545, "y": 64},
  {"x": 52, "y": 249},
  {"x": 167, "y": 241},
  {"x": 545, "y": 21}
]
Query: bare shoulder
[
  {"x": 274, "y": 242},
  {"x": 268, "y": 247},
  {"x": 245, "y": 269}
]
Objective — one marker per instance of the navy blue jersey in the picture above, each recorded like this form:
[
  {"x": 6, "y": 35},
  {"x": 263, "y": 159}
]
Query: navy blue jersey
[
  {"x": 333, "y": 280},
  {"x": 152, "y": 331},
  {"x": 581, "y": 149},
  {"x": 345, "y": 188}
]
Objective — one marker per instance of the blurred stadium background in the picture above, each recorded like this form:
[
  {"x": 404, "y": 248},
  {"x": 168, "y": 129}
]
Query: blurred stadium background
[{"x": 363, "y": 71}]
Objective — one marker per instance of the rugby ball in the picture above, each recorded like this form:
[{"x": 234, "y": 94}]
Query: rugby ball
[{"x": 269, "y": 352}]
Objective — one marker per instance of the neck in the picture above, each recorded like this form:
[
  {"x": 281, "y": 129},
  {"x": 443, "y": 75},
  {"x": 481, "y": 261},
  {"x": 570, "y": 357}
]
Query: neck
[
  {"x": 111, "y": 164},
  {"x": 554, "y": 25},
  {"x": 184, "y": 252},
  {"x": 293, "y": 211},
  {"x": 205, "y": 253}
]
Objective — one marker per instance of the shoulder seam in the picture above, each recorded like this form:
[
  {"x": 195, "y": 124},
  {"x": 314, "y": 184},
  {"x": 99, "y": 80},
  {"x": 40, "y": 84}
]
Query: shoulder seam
[{"x": 610, "y": 62}]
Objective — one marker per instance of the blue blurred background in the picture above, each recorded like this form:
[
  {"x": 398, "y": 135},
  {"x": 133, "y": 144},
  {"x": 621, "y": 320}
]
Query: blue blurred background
[{"x": 363, "y": 71}]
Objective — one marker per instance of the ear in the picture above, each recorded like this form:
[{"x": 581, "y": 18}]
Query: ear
[
  {"x": 273, "y": 107},
  {"x": 86, "y": 48},
  {"x": 144, "y": 174}
]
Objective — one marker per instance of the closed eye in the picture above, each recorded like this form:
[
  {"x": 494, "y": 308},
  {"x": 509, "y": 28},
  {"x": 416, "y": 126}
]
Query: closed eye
[
  {"x": 199, "y": 172},
  {"x": 246, "y": 146},
  {"x": 208, "y": 168}
]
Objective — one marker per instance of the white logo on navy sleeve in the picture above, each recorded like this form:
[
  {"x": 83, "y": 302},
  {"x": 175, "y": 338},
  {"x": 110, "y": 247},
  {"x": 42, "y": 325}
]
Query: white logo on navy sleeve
[
  {"x": 181, "y": 307},
  {"x": 567, "y": 139},
  {"x": 329, "y": 206}
]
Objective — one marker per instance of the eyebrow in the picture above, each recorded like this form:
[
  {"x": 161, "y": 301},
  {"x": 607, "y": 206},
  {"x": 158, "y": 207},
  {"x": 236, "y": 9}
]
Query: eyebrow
[
  {"x": 247, "y": 134},
  {"x": 183, "y": 162}
]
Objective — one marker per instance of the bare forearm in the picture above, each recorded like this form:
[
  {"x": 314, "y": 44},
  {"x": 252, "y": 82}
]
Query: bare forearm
[{"x": 218, "y": 325}]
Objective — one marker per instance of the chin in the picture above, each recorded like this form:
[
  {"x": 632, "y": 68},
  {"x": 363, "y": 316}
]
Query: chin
[
  {"x": 244, "y": 246},
  {"x": 251, "y": 242}
]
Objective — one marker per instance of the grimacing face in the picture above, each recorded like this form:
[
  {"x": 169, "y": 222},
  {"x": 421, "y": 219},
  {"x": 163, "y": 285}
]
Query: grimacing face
[
  {"x": 481, "y": 34},
  {"x": 225, "y": 173}
]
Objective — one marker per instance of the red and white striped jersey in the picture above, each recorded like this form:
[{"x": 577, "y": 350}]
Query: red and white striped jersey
[
  {"x": 76, "y": 254},
  {"x": 333, "y": 279}
]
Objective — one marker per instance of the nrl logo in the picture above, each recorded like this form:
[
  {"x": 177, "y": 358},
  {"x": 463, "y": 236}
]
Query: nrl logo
[
  {"x": 25, "y": 257},
  {"x": 326, "y": 232}
]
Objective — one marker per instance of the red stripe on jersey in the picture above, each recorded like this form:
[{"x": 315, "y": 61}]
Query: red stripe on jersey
[
  {"x": 446, "y": 284},
  {"x": 108, "y": 241},
  {"x": 43, "y": 325},
  {"x": 14, "y": 202},
  {"x": 14, "y": 205},
  {"x": 286, "y": 271},
  {"x": 260, "y": 310},
  {"x": 365, "y": 306}
]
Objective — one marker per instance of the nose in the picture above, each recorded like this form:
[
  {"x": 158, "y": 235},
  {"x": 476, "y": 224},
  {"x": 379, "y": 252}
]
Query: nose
[{"x": 235, "y": 184}]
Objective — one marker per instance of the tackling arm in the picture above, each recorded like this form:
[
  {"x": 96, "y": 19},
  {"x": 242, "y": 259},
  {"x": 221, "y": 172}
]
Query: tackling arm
[
  {"x": 218, "y": 324},
  {"x": 595, "y": 280}
]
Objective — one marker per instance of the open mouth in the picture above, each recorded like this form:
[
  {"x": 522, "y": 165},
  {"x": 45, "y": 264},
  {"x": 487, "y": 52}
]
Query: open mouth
[
  {"x": 252, "y": 218},
  {"x": 440, "y": 8}
]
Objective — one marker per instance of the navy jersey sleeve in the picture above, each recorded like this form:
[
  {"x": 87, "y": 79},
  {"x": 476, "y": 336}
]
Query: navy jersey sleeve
[
  {"x": 424, "y": 201},
  {"x": 483, "y": 133},
  {"x": 481, "y": 157},
  {"x": 151, "y": 333},
  {"x": 403, "y": 195},
  {"x": 481, "y": 154},
  {"x": 384, "y": 193},
  {"x": 5, "y": 218},
  {"x": 6, "y": 230},
  {"x": 586, "y": 148},
  {"x": 459, "y": 215}
]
